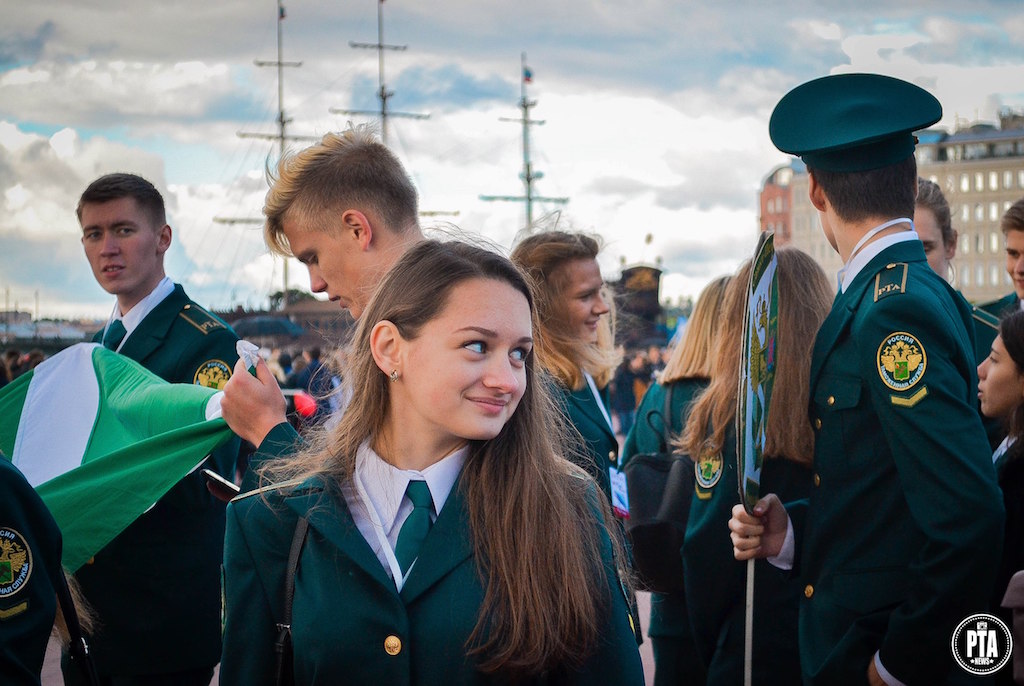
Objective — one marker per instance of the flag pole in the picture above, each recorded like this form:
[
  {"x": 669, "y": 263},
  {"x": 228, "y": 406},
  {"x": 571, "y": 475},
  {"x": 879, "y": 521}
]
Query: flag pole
[{"x": 748, "y": 628}]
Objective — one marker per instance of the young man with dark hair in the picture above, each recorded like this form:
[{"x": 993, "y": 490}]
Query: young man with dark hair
[
  {"x": 1012, "y": 225},
  {"x": 156, "y": 586},
  {"x": 899, "y": 541}
]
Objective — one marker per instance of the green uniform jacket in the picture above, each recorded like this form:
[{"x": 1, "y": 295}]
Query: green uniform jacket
[
  {"x": 30, "y": 546},
  {"x": 346, "y": 609},
  {"x": 156, "y": 587},
  {"x": 585, "y": 414},
  {"x": 716, "y": 583},
  {"x": 904, "y": 528},
  {"x": 669, "y": 618},
  {"x": 986, "y": 328}
]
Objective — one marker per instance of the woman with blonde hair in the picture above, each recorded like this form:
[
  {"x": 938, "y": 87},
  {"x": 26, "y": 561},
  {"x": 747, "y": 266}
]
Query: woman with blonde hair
[
  {"x": 574, "y": 338},
  {"x": 686, "y": 374},
  {"x": 426, "y": 507},
  {"x": 714, "y": 581}
]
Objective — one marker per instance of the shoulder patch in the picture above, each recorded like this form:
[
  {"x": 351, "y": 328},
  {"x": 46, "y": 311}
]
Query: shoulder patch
[
  {"x": 16, "y": 562},
  {"x": 212, "y": 374},
  {"x": 891, "y": 281},
  {"x": 200, "y": 318},
  {"x": 901, "y": 361}
]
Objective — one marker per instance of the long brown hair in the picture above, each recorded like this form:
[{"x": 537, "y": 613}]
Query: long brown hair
[
  {"x": 540, "y": 611},
  {"x": 560, "y": 352},
  {"x": 693, "y": 356},
  {"x": 805, "y": 298}
]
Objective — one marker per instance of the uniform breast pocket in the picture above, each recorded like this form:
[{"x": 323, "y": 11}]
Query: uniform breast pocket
[{"x": 839, "y": 419}]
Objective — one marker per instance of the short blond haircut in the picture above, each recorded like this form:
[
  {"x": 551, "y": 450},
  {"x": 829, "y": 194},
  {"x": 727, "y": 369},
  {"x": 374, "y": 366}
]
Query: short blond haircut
[{"x": 348, "y": 170}]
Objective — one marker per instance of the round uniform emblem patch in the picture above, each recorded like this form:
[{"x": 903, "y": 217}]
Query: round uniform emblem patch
[
  {"x": 901, "y": 361},
  {"x": 708, "y": 470},
  {"x": 212, "y": 374},
  {"x": 15, "y": 562}
]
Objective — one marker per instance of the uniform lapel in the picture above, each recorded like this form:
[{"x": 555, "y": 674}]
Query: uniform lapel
[
  {"x": 152, "y": 330},
  {"x": 330, "y": 516},
  {"x": 447, "y": 545},
  {"x": 584, "y": 402}
]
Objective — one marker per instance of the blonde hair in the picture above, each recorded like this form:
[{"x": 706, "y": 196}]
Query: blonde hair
[
  {"x": 348, "y": 170},
  {"x": 559, "y": 350},
  {"x": 693, "y": 355},
  {"x": 805, "y": 298},
  {"x": 539, "y": 612}
]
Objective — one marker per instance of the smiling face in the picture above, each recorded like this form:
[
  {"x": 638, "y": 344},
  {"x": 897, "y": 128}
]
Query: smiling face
[
  {"x": 1000, "y": 383},
  {"x": 582, "y": 301},
  {"x": 1015, "y": 259},
  {"x": 125, "y": 248},
  {"x": 464, "y": 374}
]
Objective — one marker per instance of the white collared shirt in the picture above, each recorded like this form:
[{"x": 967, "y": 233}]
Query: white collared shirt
[
  {"x": 133, "y": 317},
  {"x": 376, "y": 499},
  {"x": 870, "y": 251}
]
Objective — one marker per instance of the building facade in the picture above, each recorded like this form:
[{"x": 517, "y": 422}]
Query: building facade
[{"x": 981, "y": 172}]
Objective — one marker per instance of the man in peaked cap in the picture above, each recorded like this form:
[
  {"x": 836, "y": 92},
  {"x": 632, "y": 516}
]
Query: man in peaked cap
[{"x": 899, "y": 539}]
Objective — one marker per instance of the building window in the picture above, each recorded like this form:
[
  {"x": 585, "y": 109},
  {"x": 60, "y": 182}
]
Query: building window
[
  {"x": 993, "y": 211},
  {"x": 1020, "y": 178},
  {"x": 979, "y": 181},
  {"x": 965, "y": 182},
  {"x": 993, "y": 181},
  {"x": 1007, "y": 179},
  {"x": 979, "y": 245},
  {"x": 966, "y": 276},
  {"x": 979, "y": 212},
  {"x": 965, "y": 212},
  {"x": 993, "y": 275},
  {"x": 965, "y": 244},
  {"x": 993, "y": 243},
  {"x": 979, "y": 275}
]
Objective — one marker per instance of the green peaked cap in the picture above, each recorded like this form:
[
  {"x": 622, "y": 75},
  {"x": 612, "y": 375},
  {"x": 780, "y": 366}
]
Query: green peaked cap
[{"x": 852, "y": 122}]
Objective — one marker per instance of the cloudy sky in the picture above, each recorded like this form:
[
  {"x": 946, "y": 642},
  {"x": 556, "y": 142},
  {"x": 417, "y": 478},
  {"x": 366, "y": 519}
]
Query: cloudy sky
[{"x": 656, "y": 116}]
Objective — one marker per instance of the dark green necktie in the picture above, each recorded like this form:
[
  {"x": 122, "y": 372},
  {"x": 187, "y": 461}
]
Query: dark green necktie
[
  {"x": 416, "y": 526},
  {"x": 115, "y": 333}
]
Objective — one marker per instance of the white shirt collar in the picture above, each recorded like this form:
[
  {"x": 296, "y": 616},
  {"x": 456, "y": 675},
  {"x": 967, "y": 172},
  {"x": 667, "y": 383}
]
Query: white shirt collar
[
  {"x": 133, "y": 317},
  {"x": 870, "y": 251},
  {"x": 384, "y": 484}
]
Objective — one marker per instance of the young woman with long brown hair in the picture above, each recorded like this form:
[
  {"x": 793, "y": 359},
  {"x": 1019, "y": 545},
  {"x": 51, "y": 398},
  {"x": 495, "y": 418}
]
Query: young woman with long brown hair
[{"x": 448, "y": 541}]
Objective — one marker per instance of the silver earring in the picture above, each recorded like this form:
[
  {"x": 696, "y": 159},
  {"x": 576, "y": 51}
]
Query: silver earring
[{"x": 393, "y": 375}]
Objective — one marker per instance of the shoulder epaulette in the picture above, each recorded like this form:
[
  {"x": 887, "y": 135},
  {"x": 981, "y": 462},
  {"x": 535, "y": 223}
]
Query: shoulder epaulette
[
  {"x": 986, "y": 318},
  {"x": 282, "y": 485},
  {"x": 891, "y": 281},
  {"x": 200, "y": 318}
]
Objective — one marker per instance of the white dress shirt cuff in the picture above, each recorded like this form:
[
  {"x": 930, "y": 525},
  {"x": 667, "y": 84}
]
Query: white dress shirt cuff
[
  {"x": 884, "y": 673},
  {"x": 786, "y": 556}
]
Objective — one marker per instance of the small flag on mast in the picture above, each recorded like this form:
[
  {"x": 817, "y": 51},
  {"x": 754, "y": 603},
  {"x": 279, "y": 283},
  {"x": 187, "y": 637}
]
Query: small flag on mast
[
  {"x": 280, "y": 12},
  {"x": 527, "y": 74}
]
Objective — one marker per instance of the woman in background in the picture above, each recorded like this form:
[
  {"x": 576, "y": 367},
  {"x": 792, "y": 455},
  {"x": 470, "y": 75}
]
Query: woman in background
[
  {"x": 714, "y": 581},
  {"x": 686, "y": 373},
  {"x": 427, "y": 505}
]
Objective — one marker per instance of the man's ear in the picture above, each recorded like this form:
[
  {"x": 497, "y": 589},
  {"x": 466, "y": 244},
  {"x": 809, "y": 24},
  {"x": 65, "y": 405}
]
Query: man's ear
[
  {"x": 816, "y": 194},
  {"x": 163, "y": 241},
  {"x": 386, "y": 346},
  {"x": 358, "y": 226}
]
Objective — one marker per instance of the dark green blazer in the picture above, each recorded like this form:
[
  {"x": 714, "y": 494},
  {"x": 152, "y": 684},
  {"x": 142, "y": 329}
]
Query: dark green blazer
[
  {"x": 986, "y": 328},
  {"x": 600, "y": 443},
  {"x": 156, "y": 587},
  {"x": 30, "y": 546},
  {"x": 902, "y": 535},
  {"x": 346, "y": 609},
  {"x": 716, "y": 583}
]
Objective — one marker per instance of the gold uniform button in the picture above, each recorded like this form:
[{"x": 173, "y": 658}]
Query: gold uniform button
[
  {"x": 831, "y": 400},
  {"x": 393, "y": 644},
  {"x": 808, "y": 591},
  {"x": 611, "y": 455},
  {"x": 817, "y": 480},
  {"x": 817, "y": 423}
]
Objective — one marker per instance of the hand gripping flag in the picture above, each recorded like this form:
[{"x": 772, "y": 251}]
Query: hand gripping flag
[{"x": 101, "y": 439}]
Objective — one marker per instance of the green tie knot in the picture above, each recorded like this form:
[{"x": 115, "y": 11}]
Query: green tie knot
[{"x": 114, "y": 334}]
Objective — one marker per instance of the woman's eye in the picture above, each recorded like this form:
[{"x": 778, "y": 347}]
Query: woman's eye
[
  {"x": 476, "y": 346},
  {"x": 520, "y": 354}
]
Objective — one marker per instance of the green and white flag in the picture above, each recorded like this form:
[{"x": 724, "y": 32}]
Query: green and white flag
[{"x": 102, "y": 438}]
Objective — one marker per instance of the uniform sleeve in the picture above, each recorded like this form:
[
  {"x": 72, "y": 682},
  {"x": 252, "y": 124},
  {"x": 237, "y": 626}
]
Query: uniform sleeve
[
  {"x": 919, "y": 375},
  {"x": 282, "y": 440},
  {"x": 248, "y": 657},
  {"x": 616, "y": 658},
  {"x": 642, "y": 437},
  {"x": 210, "y": 362}
]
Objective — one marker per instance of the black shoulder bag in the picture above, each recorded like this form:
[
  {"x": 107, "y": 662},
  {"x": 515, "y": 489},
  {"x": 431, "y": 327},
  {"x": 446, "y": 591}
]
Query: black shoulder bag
[
  {"x": 283, "y": 645},
  {"x": 660, "y": 487}
]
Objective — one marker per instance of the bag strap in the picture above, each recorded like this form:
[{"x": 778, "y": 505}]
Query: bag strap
[
  {"x": 78, "y": 647},
  {"x": 283, "y": 644},
  {"x": 666, "y": 419}
]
